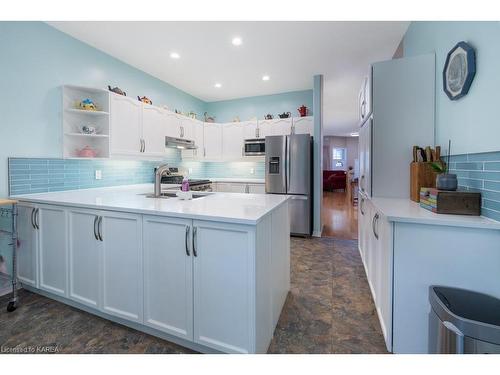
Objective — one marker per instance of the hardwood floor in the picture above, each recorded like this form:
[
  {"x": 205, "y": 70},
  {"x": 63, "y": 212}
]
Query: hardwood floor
[{"x": 339, "y": 216}]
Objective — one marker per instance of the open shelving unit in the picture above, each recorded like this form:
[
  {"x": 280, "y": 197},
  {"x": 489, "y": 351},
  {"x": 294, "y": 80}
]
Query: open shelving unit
[{"x": 74, "y": 119}]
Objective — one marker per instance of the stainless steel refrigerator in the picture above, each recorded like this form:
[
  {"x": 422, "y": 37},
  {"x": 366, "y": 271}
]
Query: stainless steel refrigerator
[{"x": 289, "y": 171}]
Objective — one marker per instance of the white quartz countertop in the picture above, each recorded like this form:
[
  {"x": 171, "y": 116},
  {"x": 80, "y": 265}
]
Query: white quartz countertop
[
  {"x": 407, "y": 211},
  {"x": 242, "y": 180},
  {"x": 223, "y": 207}
]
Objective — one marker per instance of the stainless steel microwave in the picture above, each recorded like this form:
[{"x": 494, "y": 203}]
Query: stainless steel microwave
[{"x": 255, "y": 147}]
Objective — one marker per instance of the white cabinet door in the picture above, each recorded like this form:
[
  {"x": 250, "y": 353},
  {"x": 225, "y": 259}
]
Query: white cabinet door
[
  {"x": 265, "y": 128},
  {"x": 365, "y": 143},
  {"x": 383, "y": 230},
  {"x": 213, "y": 141},
  {"x": 154, "y": 130},
  {"x": 303, "y": 125},
  {"x": 84, "y": 257},
  {"x": 52, "y": 248},
  {"x": 187, "y": 127},
  {"x": 282, "y": 126},
  {"x": 232, "y": 140},
  {"x": 223, "y": 291},
  {"x": 173, "y": 121},
  {"x": 122, "y": 274},
  {"x": 126, "y": 125},
  {"x": 251, "y": 129},
  {"x": 196, "y": 134},
  {"x": 237, "y": 187},
  {"x": 223, "y": 187},
  {"x": 256, "y": 188},
  {"x": 28, "y": 243},
  {"x": 168, "y": 275}
]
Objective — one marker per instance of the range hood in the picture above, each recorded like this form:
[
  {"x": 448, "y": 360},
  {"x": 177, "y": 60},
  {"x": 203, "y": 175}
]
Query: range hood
[{"x": 180, "y": 143}]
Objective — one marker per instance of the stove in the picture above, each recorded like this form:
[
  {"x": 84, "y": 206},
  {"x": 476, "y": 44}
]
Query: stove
[{"x": 174, "y": 177}]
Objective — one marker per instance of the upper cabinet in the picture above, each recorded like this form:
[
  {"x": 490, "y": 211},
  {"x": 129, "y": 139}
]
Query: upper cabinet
[
  {"x": 233, "y": 135},
  {"x": 303, "y": 125},
  {"x": 154, "y": 129},
  {"x": 212, "y": 134},
  {"x": 194, "y": 132},
  {"x": 126, "y": 119},
  {"x": 250, "y": 129},
  {"x": 282, "y": 126}
]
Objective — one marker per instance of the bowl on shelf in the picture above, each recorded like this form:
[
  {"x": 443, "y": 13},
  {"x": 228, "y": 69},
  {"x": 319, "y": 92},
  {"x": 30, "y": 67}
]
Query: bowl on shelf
[
  {"x": 88, "y": 130},
  {"x": 87, "y": 152}
]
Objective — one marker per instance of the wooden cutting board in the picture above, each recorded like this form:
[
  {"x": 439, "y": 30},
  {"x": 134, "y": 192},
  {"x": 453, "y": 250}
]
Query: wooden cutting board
[{"x": 4, "y": 202}]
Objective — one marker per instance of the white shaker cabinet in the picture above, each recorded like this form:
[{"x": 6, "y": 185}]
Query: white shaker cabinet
[
  {"x": 265, "y": 128},
  {"x": 168, "y": 275},
  {"x": 251, "y": 129},
  {"x": 122, "y": 273},
  {"x": 303, "y": 125},
  {"x": 195, "y": 134},
  {"x": 365, "y": 158},
  {"x": 28, "y": 243},
  {"x": 84, "y": 255},
  {"x": 212, "y": 134},
  {"x": 233, "y": 134},
  {"x": 50, "y": 222},
  {"x": 282, "y": 126},
  {"x": 256, "y": 188},
  {"x": 223, "y": 291},
  {"x": 154, "y": 130},
  {"x": 125, "y": 122},
  {"x": 173, "y": 121}
]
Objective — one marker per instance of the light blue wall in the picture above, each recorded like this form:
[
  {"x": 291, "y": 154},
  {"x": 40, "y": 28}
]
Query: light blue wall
[
  {"x": 472, "y": 121},
  {"x": 259, "y": 106},
  {"x": 36, "y": 60}
]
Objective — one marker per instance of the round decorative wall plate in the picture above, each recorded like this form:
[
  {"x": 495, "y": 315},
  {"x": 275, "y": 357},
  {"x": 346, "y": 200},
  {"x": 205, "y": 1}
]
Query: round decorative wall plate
[{"x": 459, "y": 70}]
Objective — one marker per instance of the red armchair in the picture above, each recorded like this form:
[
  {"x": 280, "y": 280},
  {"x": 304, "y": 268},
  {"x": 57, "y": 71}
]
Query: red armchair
[{"x": 334, "y": 180}]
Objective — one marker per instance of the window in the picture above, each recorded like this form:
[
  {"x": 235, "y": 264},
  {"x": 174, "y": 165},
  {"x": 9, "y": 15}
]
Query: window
[{"x": 338, "y": 157}]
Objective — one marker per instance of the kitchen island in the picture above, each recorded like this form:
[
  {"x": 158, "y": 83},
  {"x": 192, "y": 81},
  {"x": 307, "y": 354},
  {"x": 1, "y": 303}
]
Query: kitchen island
[{"x": 211, "y": 274}]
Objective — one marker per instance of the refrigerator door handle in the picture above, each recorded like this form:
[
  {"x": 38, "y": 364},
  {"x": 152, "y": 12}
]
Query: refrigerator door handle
[{"x": 288, "y": 163}]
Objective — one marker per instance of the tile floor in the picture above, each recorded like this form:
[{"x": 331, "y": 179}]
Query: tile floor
[{"x": 329, "y": 310}]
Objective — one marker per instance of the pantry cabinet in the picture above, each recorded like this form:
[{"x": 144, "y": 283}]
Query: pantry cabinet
[
  {"x": 51, "y": 225},
  {"x": 27, "y": 245},
  {"x": 168, "y": 275}
]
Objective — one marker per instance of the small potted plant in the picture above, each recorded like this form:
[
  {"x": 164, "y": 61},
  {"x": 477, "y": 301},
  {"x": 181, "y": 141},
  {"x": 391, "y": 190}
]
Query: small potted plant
[{"x": 444, "y": 179}]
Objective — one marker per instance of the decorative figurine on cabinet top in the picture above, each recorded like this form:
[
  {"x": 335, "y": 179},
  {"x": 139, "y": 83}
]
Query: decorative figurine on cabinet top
[
  {"x": 117, "y": 90},
  {"x": 303, "y": 110},
  {"x": 145, "y": 99},
  {"x": 459, "y": 70},
  {"x": 209, "y": 118}
]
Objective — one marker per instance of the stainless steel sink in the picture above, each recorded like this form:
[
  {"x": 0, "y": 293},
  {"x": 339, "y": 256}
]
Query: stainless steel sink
[{"x": 167, "y": 195}]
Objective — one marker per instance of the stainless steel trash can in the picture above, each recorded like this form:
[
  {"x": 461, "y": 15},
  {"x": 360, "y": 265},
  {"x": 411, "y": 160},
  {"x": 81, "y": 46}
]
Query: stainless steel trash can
[{"x": 463, "y": 321}]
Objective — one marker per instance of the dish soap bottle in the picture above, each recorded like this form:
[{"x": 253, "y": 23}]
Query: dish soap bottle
[{"x": 185, "y": 184}]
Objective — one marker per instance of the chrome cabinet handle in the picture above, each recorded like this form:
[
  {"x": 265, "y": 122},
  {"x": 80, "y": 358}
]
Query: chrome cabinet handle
[
  {"x": 292, "y": 130},
  {"x": 144, "y": 147},
  {"x": 99, "y": 227},
  {"x": 37, "y": 218},
  {"x": 361, "y": 206},
  {"x": 362, "y": 182},
  {"x": 242, "y": 150},
  {"x": 195, "y": 230},
  {"x": 375, "y": 220},
  {"x": 33, "y": 218},
  {"x": 204, "y": 151},
  {"x": 182, "y": 131},
  {"x": 257, "y": 132},
  {"x": 95, "y": 229},
  {"x": 140, "y": 147},
  {"x": 187, "y": 238}
]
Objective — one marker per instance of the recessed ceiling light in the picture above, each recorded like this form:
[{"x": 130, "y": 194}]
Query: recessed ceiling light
[
  {"x": 237, "y": 41},
  {"x": 355, "y": 134},
  {"x": 175, "y": 55},
  {"x": 266, "y": 78},
  {"x": 218, "y": 85}
]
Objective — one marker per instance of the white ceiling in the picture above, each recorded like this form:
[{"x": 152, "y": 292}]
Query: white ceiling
[{"x": 289, "y": 52}]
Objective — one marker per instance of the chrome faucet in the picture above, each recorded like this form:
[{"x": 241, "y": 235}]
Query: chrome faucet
[{"x": 160, "y": 171}]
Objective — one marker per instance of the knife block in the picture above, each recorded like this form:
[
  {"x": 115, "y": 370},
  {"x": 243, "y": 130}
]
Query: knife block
[{"x": 421, "y": 175}]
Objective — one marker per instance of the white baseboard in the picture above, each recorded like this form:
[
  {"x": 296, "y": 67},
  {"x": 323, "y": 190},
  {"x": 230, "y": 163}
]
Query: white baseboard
[{"x": 317, "y": 233}]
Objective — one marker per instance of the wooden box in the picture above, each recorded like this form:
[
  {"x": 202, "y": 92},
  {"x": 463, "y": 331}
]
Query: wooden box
[
  {"x": 421, "y": 175},
  {"x": 451, "y": 202}
]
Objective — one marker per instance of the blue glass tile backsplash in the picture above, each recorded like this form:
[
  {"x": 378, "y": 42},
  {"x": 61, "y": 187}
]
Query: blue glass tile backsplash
[
  {"x": 30, "y": 175},
  {"x": 480, "y": 172}
]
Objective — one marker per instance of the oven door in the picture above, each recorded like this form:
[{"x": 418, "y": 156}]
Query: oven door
[{"x": 255, "y": 147}]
